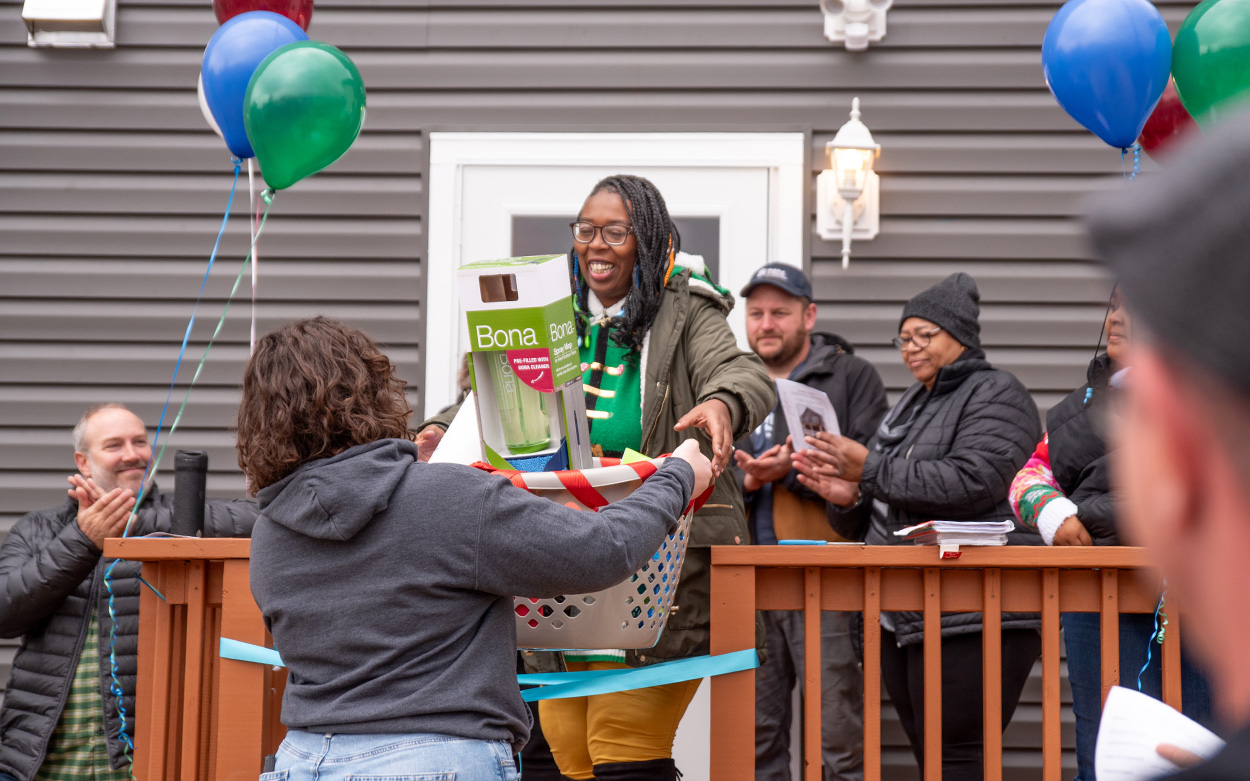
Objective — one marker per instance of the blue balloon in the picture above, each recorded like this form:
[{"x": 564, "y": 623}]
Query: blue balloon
[
  {"x": 230, "y": 58},
  {"x": 1107, "y": 62}
]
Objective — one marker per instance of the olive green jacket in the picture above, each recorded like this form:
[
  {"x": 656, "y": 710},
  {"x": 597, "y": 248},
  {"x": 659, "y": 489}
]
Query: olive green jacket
[{"x": 690, "y": 355}]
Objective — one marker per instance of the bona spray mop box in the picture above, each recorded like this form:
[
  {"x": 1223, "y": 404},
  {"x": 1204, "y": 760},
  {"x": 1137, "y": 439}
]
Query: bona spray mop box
[{"x": 523, "y": 361}]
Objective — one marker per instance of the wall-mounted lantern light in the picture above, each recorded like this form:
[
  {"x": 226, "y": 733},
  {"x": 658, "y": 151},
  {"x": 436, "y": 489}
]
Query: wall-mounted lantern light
[
  {"x": 848, "y": 195},
  {"x": 855, "y": 22},
  {"x": 74, "y": 24}
]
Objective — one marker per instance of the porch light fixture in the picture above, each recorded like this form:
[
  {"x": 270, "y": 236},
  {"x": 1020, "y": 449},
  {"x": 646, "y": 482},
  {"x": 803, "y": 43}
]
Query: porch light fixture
[
  {"x": 74, "y": 24},
  {"x": 855, "y": 22},
  {"x": 848, "y": 196}
]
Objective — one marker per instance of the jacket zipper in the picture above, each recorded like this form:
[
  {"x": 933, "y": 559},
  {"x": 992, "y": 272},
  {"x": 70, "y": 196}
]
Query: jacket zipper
[{"x": 658, "y": 413}]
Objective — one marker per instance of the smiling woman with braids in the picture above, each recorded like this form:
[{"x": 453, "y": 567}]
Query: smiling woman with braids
[{"x": 660, "y": 365}]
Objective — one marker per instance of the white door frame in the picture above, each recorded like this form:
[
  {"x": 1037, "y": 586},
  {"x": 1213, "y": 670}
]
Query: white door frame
[{"x": 782, "y": 154}]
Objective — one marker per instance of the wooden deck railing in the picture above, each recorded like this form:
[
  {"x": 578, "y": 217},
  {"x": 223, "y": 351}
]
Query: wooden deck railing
[
  {"x": 1048, "y": 581},
  {"x": 202, "y": 718},
  {"x": 199, "y": 717}
]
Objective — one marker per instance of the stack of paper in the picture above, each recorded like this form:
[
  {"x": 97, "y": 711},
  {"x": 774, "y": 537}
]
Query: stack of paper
[{"x": 957, "y": 533}]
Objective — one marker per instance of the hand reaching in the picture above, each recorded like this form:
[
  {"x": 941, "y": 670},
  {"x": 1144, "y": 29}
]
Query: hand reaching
[
  {"x": 713, "y": 417},
  {"x": 689, "y": 452},
  {"x": 427, "y": 440}
]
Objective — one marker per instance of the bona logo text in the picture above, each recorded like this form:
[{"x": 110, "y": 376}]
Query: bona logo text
[{"x": 488, "y": 339}]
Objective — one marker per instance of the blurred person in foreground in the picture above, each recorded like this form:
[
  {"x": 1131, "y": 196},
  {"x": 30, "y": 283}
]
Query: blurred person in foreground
[
  {"x": 1064, "y": 492},
  {"x": 1179, "y": 242}
]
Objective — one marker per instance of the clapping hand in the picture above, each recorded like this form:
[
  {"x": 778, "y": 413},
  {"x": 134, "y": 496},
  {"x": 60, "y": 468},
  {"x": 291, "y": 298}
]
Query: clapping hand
[
  {"x": 834, "y": 490},
  {"x": 768, "y": 467},
  {"x": 836, "y": 456},
  {"x": 100, "y": 514}
]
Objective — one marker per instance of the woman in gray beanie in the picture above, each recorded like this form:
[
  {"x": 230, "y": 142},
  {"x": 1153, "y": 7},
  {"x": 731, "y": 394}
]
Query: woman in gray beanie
[{"x": 948, "y": 450}]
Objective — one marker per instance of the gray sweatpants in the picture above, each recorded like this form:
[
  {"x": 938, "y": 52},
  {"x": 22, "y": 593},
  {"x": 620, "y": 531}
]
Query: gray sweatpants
[{"x": 842, "y": 697}]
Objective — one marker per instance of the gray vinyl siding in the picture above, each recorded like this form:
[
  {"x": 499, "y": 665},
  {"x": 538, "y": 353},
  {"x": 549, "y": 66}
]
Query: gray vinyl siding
[{"x": 112, "y": 189}]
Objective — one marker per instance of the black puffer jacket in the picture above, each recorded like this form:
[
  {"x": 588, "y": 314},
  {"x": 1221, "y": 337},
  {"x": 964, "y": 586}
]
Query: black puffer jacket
[
  {"x": 974, "y": 431},
  {"x": 50, "y": 576},
  {"x": 1078, "y": 453}
]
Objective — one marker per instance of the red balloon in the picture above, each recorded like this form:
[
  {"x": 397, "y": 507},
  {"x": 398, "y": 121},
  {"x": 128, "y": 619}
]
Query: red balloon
[
  {"x": 1167, "y": 123},
  {"x": 298, "y": 11}
]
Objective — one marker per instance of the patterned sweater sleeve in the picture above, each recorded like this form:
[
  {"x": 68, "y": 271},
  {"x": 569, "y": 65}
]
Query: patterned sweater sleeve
[{"x": 1036, "y": 498}]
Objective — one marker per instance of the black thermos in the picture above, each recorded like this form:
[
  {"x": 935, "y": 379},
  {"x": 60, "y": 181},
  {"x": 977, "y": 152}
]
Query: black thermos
[{"x": 190, "y": 471}]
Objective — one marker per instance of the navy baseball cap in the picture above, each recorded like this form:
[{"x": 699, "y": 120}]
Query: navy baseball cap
[{"x": 783, "y": 277}]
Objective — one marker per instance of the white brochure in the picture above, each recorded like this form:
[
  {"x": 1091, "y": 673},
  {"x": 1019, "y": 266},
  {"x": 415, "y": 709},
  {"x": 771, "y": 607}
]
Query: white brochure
[{"x": 807, "y": 412}]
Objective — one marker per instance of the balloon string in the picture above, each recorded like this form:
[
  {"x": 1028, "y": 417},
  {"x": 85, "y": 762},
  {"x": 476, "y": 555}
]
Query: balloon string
[
  {"x": 254, "y": 208},
  {"x": 1136, "y": 149},
  {"x": 155, "y": 463},
  {"x": 187, "y": 336}
]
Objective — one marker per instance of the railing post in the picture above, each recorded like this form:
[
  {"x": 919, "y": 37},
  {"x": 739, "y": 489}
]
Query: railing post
[
  {"x": 932, "y": 674},
  {"x": 192, "y": 705},
  {"x": 149, "y": 748},
  {"x": 1109, "y": 630},
  {"x": 813, "y": 765},
  {"x": 1051, "y": 746},
  {"x": 872, "y": 674},
  {"x": 241, "y": 719},
  {"x": 992, "y": 673},
  {"x": 733, "y": 695}
]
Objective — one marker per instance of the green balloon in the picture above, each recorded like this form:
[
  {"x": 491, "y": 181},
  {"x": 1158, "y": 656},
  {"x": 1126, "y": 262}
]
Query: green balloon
[
  {"x": 304, "y": 106},
  {"x": 1211, "y": 59}
]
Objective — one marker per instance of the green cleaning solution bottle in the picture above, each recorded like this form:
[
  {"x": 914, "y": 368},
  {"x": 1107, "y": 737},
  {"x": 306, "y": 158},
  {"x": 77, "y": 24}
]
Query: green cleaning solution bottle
[{"x": 522, "y": 410}]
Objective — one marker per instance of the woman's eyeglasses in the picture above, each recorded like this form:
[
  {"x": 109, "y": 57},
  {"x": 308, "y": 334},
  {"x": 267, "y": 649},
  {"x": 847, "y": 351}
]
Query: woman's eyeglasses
[
  {"x": 921, "y": 340},
  {"x": 584, "y": 232}
]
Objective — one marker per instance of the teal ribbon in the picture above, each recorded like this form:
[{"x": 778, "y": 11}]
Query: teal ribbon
[
  {"x": 556, "y": 686},
  {"x": 585, "y": 684},
  {"x": 246, "y": 652}
]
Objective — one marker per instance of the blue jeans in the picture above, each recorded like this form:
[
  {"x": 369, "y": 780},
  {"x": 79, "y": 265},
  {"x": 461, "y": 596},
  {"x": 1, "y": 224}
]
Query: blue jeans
[
  {"x": 308, "y": 756},
  {"x": 1081, "y": 632}
]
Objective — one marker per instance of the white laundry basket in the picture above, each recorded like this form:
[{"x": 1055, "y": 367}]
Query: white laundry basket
[{"x": 630, "y": 614}]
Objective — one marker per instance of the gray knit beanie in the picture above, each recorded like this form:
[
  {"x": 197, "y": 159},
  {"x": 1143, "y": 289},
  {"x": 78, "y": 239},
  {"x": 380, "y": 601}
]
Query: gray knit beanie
[{"x": 954, "y": 304}]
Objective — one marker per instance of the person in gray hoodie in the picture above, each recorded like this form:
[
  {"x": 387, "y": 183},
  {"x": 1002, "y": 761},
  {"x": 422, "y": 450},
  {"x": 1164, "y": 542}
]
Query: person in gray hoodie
[{"x": 387, "y": 583}]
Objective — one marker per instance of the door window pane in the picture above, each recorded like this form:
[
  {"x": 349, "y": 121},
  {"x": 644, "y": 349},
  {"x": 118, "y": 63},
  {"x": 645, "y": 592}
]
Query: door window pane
[{"x": 550, "y": 235}]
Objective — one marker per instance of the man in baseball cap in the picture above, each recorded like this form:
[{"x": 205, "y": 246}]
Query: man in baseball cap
[{"x": 781, "y": 318}]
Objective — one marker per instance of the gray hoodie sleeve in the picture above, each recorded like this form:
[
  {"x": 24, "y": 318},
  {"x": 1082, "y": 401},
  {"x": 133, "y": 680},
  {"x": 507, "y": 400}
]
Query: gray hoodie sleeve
[{"x": 531, "y": 546}]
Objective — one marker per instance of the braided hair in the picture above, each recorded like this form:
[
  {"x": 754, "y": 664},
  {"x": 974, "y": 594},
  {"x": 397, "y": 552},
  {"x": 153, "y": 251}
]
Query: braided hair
[{"x": 657, "y": 236}]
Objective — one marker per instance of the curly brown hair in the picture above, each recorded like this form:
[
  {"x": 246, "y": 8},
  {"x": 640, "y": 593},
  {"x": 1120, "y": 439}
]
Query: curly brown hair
[{"x": 311, "y": 390}]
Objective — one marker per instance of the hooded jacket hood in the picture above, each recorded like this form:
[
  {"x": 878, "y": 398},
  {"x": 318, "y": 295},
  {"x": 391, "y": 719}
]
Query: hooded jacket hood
[{"x": 334, "y": 498}]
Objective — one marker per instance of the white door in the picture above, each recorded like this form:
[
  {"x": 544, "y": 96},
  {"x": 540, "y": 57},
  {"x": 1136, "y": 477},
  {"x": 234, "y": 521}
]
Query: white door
[{"x": 737, "y": 199}]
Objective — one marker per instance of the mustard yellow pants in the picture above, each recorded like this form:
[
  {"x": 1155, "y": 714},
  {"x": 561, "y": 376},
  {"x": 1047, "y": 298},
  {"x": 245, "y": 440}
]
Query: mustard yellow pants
[{"x": 629, "y": 726}]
